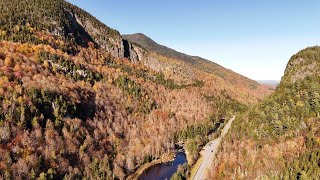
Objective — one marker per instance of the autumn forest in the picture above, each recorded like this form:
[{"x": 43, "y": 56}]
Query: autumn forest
[{"x": 79, "y": 101}]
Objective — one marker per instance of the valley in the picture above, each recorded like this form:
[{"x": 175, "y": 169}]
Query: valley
[{"x": 79, "y": 100}]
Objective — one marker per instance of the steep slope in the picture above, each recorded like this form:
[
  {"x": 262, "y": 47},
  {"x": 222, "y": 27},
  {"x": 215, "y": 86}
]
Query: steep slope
[
  {"x": 149, "y": 44},
  {"x": 197, "y": 62},
  {"x": 70, "y": 27},
  {"x": 59, "y": 19},
  {"x": 279, "y": 137},
  {"x": 79, "y": 101},
  {"x": 198, "y": 65},
  {"x": 302, "y": 65}
]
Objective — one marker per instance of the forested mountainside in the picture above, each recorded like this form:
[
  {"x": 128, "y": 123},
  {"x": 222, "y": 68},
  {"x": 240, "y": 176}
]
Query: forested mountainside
[
  {"x": 279, "y": 138},
  {"x": 149, "y": 44},
  {"x": 27, "y": 21},
  {"x": 79, "y": 101},
  {"x": 193, "y": 65}
]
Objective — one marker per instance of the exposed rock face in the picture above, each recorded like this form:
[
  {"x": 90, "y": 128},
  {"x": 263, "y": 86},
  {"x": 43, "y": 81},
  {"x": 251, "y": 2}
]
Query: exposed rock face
[
  {"x": 303, "y": 72},
  {"x": 130, "y": 52},
  {"x": 139, "y": 48},
  {"x": 143, "y": 56},
  {"x": 119, "y": 47},
  {"x": 113, "y": 44},
  {"x": 175, "y": 63},
  {"x": 149, "y": 44},
  {"x": 303, "y": 64},
  {"x": 160, "y": 63}
]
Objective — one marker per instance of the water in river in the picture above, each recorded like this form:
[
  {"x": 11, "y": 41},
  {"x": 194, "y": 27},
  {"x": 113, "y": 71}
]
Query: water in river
[{"x": 164, "y": 170}]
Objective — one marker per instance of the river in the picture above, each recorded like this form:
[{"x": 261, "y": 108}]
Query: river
[{"x": 164, "y": 171}]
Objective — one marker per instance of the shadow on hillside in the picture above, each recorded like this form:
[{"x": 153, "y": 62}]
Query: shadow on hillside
[{"x": 76, "y": 32}]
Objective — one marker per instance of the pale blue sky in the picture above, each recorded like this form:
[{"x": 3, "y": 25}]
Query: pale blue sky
[{"x": 255, "y": 38}]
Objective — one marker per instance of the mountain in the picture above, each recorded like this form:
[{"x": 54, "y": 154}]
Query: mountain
[
  {"x": 61, "y": 20},
  {"x": 80, "y": 101},
  {"x": 147, "y": 43},
  {"x": 279, "y": 137},
  {"x": 302, "y": 65},
  {"x": 271, "y": 83},
  {"x": 197, "y": 64}
]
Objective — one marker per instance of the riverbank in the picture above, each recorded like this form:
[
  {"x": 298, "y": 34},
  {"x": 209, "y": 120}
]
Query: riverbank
[
  {"x": 163, "y": 159},
  {"x": 168, "y": 157}
]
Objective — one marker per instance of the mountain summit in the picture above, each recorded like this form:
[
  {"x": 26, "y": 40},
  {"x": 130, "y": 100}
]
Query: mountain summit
[{"x": 150, "y": 45}]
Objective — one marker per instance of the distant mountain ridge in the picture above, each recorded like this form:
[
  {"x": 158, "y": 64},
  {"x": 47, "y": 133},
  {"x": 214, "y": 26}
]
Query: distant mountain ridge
[
  {"x": 149, "y": 44},
  {"x": 272, "y": 83},
  {"x": 196, "y": 62}
]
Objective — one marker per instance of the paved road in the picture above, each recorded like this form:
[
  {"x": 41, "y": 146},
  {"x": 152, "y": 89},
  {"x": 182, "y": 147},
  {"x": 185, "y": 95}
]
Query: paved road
[{"x": 209, "y": 152}]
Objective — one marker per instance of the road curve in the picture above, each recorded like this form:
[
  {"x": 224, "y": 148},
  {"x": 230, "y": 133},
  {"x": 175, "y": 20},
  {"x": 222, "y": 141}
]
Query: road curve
[{"x": 210, "y": 151}]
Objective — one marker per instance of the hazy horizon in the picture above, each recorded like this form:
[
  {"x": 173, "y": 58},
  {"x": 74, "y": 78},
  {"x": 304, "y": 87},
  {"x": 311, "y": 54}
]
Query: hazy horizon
[{"x": 255, "y": 39}]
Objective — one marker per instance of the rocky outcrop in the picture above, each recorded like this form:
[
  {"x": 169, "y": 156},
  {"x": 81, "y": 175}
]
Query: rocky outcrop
[
  {"x": 302, "y": 65},
  {"x": 99, "y": 35},
  {"x": 298, "y": 70},
  {"x": 87, "y": 29}
]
